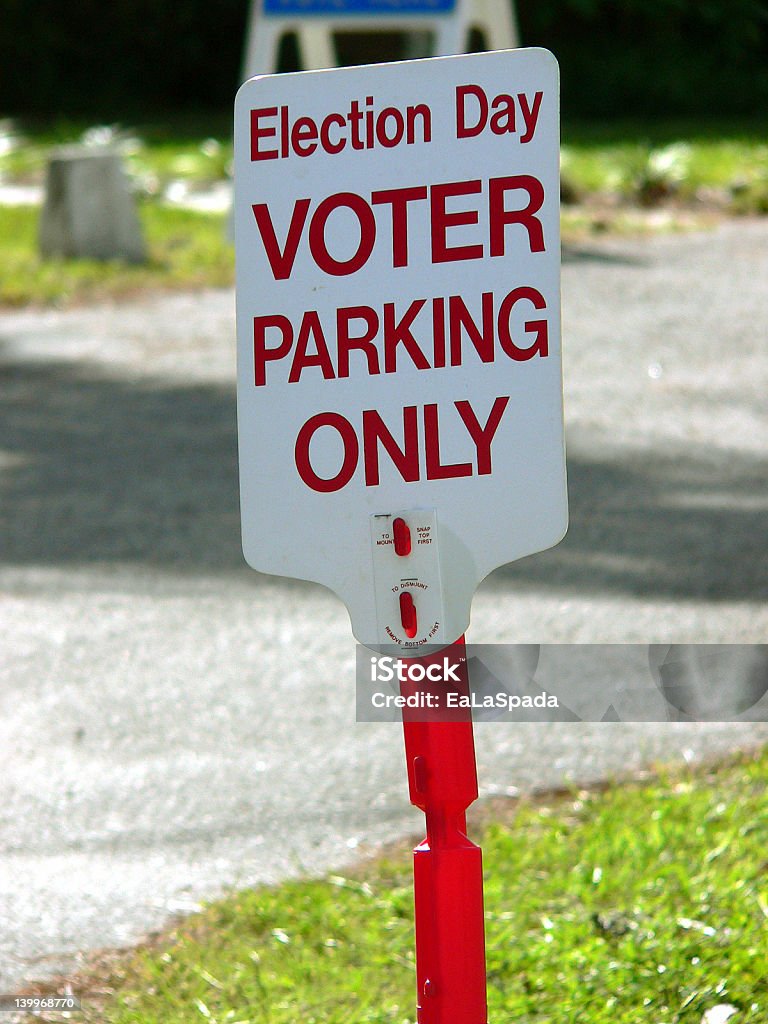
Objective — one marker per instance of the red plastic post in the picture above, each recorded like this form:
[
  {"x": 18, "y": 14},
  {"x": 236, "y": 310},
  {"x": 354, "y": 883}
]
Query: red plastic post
[{"x": 447, "y": 867}]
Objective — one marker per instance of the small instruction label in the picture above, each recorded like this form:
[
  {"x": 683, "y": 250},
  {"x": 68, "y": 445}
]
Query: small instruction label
[{"x": 416, "y": 573}]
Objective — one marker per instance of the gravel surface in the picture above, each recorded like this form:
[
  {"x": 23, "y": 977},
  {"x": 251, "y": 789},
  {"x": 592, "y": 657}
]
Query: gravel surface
[{"x": 176, "y": 724}]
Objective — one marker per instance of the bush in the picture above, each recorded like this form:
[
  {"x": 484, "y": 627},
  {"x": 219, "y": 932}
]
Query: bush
[
  {"x": 646, "y": 58},
  {"x": 134, "y": 59}
]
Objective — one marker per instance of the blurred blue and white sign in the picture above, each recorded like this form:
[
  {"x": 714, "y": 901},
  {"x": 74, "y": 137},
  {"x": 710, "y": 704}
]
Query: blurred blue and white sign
[
  {"x": 329, "y": 8},
  {"x": 433, "y": 28}
]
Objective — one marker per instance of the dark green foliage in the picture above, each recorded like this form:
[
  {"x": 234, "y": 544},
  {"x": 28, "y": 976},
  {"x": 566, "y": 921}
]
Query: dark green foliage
[
  {"x": 135, "y": 58},
  {"x": 113, "y": 59},
  {"x": 654, "y": 57}
]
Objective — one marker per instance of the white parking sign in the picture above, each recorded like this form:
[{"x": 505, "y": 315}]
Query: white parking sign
[{"x": 399, "y": 374}]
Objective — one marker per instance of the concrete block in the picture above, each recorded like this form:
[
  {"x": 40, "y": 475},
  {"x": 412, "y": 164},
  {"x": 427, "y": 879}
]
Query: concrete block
[{"x": 89, "y": 210}]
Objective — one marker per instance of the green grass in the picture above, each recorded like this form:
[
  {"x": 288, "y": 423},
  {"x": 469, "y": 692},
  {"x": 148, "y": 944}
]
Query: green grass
[
  {"x": 688, "y": 161},
  {"x": 684, "y": 170},
  {"x": 644, "y": 903},
  {"x": 632, "y": 160},
  {"x": 186, "y": 250},
  {"x": 155, "y": 154}
]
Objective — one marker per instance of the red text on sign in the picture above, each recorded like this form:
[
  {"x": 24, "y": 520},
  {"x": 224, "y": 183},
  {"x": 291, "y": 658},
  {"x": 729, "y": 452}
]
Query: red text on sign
[
  {"x": 275, "y": 134},
  {"x": 509, "y": 202},
  {"x": 426, "y": 334},
  {"x": 419, "y": 451},
  {"x": 475, "y": 112}
]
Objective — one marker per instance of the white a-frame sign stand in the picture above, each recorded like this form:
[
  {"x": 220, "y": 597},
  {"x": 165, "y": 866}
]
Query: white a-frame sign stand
[{"x": 449, "y": 25}]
